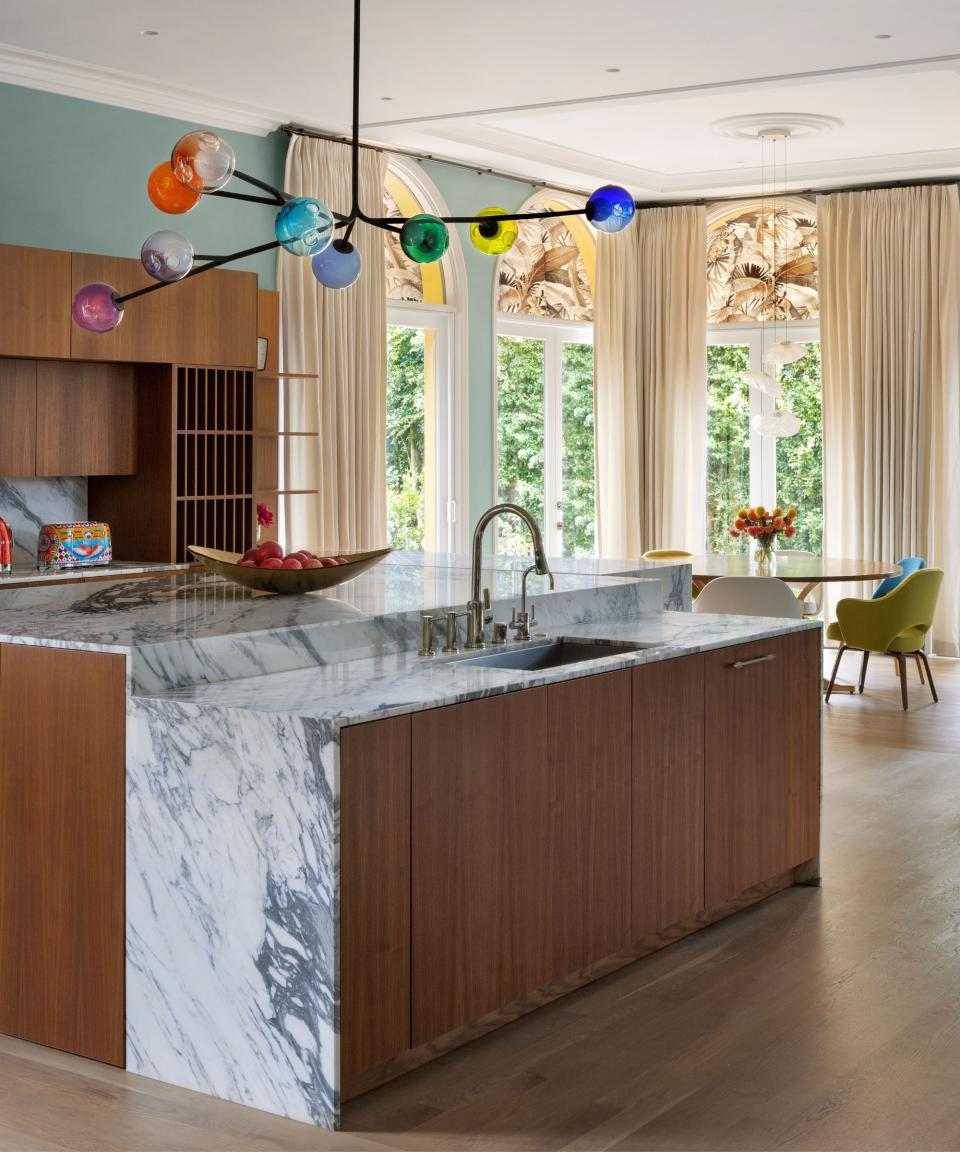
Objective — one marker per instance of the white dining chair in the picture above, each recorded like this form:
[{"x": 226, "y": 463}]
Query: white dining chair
[
  {"x": 813, "y": 604},
  {"x": 749, "y": 596}
]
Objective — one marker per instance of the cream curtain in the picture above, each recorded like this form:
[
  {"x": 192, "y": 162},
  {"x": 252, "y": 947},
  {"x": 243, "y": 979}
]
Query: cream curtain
[
  {"x": 338, "y": 337},
  {"x": 890, "y": 332},
  {"x": 650, "y": 339}
]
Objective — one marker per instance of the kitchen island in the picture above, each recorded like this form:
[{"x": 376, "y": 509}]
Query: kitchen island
[{"x": 342, "y": 858}]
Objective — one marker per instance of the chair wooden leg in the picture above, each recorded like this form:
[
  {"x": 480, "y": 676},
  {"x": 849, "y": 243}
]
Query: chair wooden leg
[
  {"x": 902, "y": 663},
  {"x": 916, "y": 657},
  {"x": 836, "y": 669},
  {"x": 863, "y": 671},
  {"x": 926, "y": 664}
]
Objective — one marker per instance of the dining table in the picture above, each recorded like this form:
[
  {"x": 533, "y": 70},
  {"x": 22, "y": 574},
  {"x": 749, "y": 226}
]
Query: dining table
[{"x": 798, "y": 568}]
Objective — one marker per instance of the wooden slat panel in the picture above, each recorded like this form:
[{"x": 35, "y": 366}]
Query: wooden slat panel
[
  {"x": 521, "y": 814},
  {"x": 668, "y": 734},
  {"x": 374, "y": 894},
  {"x": 86, "y": 419},
  {"x": 35, "y": 300},
  {"x": 211, "y": 319},
  {"x": 762, "y": 762},
  {"x": 62, "y": 849},
  {"x": 18, "y": 417}
]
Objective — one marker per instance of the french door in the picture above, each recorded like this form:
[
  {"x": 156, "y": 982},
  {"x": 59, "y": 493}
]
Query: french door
[{"x": 545, "y": 433}]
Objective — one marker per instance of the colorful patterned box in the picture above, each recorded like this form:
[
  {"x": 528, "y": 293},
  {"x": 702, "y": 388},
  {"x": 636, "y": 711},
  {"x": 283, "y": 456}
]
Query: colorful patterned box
[{"x": 74, "y": 545}]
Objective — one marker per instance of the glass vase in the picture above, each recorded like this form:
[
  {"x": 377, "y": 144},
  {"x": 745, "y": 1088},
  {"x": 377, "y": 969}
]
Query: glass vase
[{"x": 764, "y": 557}]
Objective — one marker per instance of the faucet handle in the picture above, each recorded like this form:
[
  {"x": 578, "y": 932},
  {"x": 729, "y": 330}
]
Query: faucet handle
[
  {"x": 487, "y": 614},
  {"x": 426, "y": 636}
]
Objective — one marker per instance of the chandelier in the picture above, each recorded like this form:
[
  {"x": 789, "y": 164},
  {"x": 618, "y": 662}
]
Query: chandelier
[{"x": 202, "y": 163}]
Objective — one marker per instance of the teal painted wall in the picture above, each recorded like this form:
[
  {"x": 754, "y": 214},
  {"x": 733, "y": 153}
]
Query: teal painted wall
[
  {"x": 465, "y": 193},
  {"x": 73, "y": 176}
]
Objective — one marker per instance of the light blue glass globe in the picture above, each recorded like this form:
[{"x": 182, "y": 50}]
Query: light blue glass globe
[
  {"x": 337, "y": 266},
  {"x": 610, "y": 208},
  {"x": 304, "y": 226}
]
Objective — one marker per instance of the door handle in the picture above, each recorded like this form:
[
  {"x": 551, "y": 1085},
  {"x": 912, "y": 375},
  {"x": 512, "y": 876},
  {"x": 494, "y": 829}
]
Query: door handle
[{"x": 755, "y": 660}]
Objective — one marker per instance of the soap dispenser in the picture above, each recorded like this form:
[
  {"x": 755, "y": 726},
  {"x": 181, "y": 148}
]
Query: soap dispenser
[{"x": 6, "y": 547}]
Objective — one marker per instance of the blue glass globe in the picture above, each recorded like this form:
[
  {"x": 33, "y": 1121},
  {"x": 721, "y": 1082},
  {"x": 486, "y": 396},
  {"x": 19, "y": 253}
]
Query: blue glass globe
[
  {"x": 337, "y": 266},
  {"x": 304, "y": 225},
  {"x": 610, "y": 208}
]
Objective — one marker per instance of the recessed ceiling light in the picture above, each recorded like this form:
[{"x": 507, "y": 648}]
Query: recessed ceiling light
[
  {"x": 882, "y": 36},
  {"x": 386, "y": 97},
  {"x": 149, "y": 32},
  {"x": 613, "y": 69}
]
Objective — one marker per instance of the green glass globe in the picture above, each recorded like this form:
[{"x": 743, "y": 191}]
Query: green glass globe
[
  {"x": 424, "y": 238},
  {"x": 494, "y": 236}
]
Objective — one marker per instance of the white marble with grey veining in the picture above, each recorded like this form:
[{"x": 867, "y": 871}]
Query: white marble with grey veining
[
  {"x": 29, "y": 503},
  {"x": 117, "y": 570}
]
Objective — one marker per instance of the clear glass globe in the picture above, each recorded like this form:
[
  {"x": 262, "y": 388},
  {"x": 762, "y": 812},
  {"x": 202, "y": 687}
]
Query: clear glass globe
[
  {"x": 202, "y": 161},
  {"x": 167, "y": 256}
]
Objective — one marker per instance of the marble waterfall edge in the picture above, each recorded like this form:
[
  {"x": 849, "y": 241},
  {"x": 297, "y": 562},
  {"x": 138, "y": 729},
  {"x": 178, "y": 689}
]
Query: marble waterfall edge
[{"x": 232, "y": 865}]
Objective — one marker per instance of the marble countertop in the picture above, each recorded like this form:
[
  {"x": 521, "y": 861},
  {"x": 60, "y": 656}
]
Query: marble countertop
[
  {"x": 361, "y": 690},
  {"x": 119, "y": 570}
]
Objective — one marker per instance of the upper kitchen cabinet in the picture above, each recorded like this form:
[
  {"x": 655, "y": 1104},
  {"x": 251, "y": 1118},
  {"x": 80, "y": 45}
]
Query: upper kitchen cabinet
[
  {"x": 208, "y": 319},
  {"x": 34, "y": 302}
]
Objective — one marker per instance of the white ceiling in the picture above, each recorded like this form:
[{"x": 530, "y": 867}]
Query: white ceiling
[{"x": 524, "y": 87}]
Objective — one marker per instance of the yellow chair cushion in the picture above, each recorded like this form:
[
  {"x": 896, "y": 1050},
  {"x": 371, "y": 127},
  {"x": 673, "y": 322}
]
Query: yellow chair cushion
[{"x": 909, "y": 640}]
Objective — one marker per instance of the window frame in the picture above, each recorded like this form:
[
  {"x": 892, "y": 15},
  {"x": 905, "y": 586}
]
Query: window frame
[
  {"x": 554, "y": 333},
  {"x": 763, "y": 449}
]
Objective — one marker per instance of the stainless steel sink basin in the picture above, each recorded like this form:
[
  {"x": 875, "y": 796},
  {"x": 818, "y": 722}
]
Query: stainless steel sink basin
[{"x": 551, "y": 653}]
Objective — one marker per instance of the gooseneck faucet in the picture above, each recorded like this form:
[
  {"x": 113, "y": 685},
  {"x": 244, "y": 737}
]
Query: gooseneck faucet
[{"x": 477, "y": 608}]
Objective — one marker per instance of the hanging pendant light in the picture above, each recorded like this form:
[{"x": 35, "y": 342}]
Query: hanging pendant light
[
  {"x": 764, "y": 382},
  {"x": 779, "y": 424},
  {"x": 784, "y": 352}
]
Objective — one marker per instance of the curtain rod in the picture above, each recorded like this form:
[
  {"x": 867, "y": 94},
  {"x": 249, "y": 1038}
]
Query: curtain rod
[
  {"x": 480, "y": 169},
  {"x": 299, "y": 130}
]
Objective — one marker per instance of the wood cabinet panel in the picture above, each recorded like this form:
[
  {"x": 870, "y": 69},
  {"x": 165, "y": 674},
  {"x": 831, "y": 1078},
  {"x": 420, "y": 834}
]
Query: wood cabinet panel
[
  {"x": 374, "y": 894},
  {"x": 35, "y": 301},
  {"x": 18, "y": 418},
  {"x": 762, "y": 768},
  {"x": 268, "y": 327},
  {"x": 209, "y": 319},
  {"x": 667, "y": 801},
  {"x": 86, "y": 419},
  {"x": 521, "y": 832},
  {"x": 62, "y": 849}
]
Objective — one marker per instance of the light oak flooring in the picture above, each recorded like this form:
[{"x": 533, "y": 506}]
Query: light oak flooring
[{"x": 823, "y": 1018}]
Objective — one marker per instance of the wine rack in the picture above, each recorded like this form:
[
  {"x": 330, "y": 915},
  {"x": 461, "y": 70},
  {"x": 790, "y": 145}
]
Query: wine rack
[{"x": 214, "y": 419}]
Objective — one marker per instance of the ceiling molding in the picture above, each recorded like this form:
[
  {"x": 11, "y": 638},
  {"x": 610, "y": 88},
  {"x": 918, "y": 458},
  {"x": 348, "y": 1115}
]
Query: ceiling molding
[{"x": 127, "y": 90}]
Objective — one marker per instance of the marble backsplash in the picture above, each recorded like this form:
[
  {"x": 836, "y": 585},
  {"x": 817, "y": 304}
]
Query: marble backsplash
[{"x": 28, "y": 504}]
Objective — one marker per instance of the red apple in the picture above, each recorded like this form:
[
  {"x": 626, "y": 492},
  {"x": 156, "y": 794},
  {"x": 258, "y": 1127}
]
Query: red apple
[
  {"x": 312, "y": 562},
  {"x": 271, "y": 562},
  {"x": 269, "y": 550},
  {"x": 248, "y": 563},
  {"x": 327, "y": 562},
  {"x": 291, "y": 562},
  {"x": 341, "y": 560},
  {"x": 250, "y": 554}
]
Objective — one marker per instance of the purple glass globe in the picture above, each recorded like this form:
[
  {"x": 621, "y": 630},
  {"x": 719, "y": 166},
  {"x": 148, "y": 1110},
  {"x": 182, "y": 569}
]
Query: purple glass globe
[{"x": 94, "y": 308}]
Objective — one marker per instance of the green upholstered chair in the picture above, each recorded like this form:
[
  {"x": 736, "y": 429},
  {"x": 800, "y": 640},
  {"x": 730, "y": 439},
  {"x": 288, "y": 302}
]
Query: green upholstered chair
[{"x": 896, "y": 625}]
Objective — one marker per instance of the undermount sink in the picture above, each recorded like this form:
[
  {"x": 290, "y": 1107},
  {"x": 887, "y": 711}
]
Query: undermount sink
[{"x": 552, "y": 653}]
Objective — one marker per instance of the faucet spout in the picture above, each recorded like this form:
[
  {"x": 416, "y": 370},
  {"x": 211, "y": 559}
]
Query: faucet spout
[{"x": 475, "y": 620}]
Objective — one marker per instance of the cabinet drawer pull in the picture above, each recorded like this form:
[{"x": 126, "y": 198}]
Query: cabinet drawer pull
[{"x": 755, "y": 660}]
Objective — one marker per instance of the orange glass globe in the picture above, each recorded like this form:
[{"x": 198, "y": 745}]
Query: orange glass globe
[{"x": 168, "y": 194}]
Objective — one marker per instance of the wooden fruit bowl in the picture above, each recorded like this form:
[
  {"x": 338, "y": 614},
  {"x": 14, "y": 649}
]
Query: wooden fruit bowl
[{"x": 287, "y": 581}]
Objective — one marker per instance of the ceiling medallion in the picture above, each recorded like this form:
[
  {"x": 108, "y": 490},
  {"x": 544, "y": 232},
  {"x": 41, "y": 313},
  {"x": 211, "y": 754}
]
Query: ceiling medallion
[{"x": 791, "y": 125}]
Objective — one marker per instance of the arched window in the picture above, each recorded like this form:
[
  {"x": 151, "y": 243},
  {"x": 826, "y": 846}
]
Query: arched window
[
  {"x": 545, "y": 406},
  {"x": 426, "y": 477},
  {"x": 762, "y": 288}
]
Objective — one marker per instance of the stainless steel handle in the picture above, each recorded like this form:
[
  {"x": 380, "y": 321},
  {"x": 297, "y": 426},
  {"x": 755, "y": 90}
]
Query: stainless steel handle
[
  {"x": 451, "y": 646},
  {"x": 499, "y": 632},
  {"x": 487, "y": 614},
  {"x": 755, "y": 660},
  {"x": 426, "y": 636}
]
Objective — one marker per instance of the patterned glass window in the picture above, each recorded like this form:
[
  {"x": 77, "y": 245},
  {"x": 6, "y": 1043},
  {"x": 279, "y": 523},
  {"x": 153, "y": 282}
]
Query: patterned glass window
[{"x": 762, "y": 263}]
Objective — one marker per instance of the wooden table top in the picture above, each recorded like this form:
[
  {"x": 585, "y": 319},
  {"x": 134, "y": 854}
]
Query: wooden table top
[{"x": 793, "y": 569}]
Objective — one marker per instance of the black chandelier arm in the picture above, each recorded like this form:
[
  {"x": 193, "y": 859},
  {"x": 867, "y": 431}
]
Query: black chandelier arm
[
  {"x": 216, "y": 262},
  {"x": 280, "y": 198},
  {"x": 244, "y": 196},
  {"x": 385, "y": 221},
  {"x": 355, "y": 142}
]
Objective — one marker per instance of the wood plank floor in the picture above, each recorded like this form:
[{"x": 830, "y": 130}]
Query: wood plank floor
[{"x": 820, "y": 1019}]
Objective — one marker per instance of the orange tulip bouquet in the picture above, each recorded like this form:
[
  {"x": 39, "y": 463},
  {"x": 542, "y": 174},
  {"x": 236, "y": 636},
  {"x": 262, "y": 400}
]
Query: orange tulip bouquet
[{"x": 763, "y": 528}]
